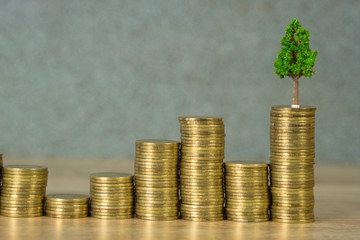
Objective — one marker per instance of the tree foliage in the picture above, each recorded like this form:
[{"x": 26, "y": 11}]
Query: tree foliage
[{"x": 295, "y": 58}]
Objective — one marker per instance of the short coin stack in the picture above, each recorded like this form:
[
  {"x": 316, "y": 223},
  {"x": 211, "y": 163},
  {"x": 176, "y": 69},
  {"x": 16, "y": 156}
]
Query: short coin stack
[
  {"x": 201, "y": 169},
  {"x": 292, "y": 137},
  {"x": 112, "y": 195},
  {"x": 67, "y": 205},
  {"x": 156, "y": 179},
  {"x": 23, "y": 190},
  {"x": 247, "y": 191}
]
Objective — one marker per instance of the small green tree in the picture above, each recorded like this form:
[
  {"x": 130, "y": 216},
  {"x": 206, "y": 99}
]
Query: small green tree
[{"x": 295, "y": 58}]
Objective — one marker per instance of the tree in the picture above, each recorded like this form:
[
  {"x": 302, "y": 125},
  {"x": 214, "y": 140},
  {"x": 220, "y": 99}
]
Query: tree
[{"x": 295, "y": 58}]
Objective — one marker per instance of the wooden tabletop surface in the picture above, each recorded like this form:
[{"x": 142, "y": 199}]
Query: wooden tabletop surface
[{"x": 337, "y": 210}]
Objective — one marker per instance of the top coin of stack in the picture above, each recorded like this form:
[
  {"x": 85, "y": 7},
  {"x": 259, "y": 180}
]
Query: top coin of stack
[
  {"x": 156, "y": 179},
  {"x": 292, "y": 137},
  {"x": 201, "y": 168},
  {"x": 112, "y": 195},
  {"x": 247, "y": 192},
  {"x": 23, "y": 190},
  {"x": 67, "y": 205}
]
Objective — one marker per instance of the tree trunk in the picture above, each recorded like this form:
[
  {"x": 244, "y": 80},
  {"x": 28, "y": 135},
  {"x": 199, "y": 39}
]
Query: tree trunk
[{"x": 295, "y": 91}]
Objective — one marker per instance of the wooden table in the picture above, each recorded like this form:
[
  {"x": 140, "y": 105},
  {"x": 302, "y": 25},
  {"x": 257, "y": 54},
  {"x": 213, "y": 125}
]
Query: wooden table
[{"x": 337, "y": 210}]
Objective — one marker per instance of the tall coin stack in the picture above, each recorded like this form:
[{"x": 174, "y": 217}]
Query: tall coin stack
[
  {"x": 67, "y": 205},
  {"x": 292, "y": 138},
  {"x": 156, "y": 179},
  {"x": 23, "y": 190},
  {"x": 247, "y": 191},
  {"x": 112, "y": 195},
  {"x": 201, "y": 168}
]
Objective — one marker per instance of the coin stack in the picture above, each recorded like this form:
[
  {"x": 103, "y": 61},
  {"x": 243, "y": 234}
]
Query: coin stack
[
  {"x": 156, "y": 179},
  {"x": 112, "y": 195},
  {"x": 247, "y": 191},
  {"x": 67, "y": 205},
  {"x": 201, "y": 169},
  {"x": 292, "y": 137},
  {"x": 23, "y": 190}
]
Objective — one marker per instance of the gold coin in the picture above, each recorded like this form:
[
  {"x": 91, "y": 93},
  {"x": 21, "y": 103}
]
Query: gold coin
[
  {"x": 21, "y": 215},
  {"x": 161, "y": 165},
  {"x": 21, "y": 205},
  {"x": 122, "y": 190},
  {"x": 17, "y": 178},
  {"x": 154, "y": 178},
  {"x": 66, "y": 212},
  {"x": 24, "y": 169},
  {"x": 202, "y": 201},
  {"x": 194, "y": 164},
  {"x": 158, "y": 159},
  {"x": 128, "y": 206},
  {"x": 158, "y": 172},
  {"x": 67, "y": 216},
  {"x": 127, "y": 216},
  {"x": 151, "y": 210},
  {"x": 5, "y": 199},
  {"x": 66, "y": 197},
  {"x": 112, "y": 211},
  {"x": 234, "y": 219},
  {"x": 157, "y": 195},
  {"x": 203, "y": 145},
  {"x": 156, "y": 142},
  {"x": 110, "y": 185},
  {"x": 154, "y": 152},
  {"x": 205, "y": 119},
  {"x": 158, "y": 218},
  {"x": 111, "y": 177}
]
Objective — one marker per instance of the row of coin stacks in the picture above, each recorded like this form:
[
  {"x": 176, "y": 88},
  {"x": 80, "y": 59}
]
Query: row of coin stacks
[
  {"x": 156, "y": 179},
  {"x": 201, "y": 168},
  {"x": 292, "y": 138},
  {"x": 201, "y": 175}
]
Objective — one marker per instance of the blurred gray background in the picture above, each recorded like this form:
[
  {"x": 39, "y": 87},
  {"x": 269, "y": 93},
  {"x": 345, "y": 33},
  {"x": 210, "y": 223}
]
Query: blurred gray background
[{"x": 88, "y": 78}]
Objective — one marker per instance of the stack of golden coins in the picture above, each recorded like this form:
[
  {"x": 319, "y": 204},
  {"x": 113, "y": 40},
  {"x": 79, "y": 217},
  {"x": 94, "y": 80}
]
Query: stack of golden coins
[
  {"x": 201, "y": 169},
  {"x": 67, "y": 205},
  {"x": 156, "y": 179},
  {"x": 23, "y": 190},
  {"x": 292, "y": 137},
  {"x": 247, "y": 191},
  {"x": 112, "y": 195}
]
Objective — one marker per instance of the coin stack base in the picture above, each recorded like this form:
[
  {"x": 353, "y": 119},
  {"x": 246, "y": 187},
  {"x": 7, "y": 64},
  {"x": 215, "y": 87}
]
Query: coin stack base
[
  {"x": 23, "y": 190},
  {"x": 201, "y": 168},
  {"x": 156, "y": 179},
  {"x": 112, "y": 195},
  {"x": 292, "y": 137},
  {"x": 246, "y": 189},
  {"x": 67, "y": 205}
]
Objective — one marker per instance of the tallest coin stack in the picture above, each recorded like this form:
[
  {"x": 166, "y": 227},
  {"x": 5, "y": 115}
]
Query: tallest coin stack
[
  {"x": 292, "y": 138},
  {"x": 201, "y": 168}
]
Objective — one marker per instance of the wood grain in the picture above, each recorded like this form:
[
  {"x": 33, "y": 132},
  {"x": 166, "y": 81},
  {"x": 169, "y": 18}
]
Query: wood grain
[{"x": 337, "y": 210}]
